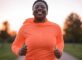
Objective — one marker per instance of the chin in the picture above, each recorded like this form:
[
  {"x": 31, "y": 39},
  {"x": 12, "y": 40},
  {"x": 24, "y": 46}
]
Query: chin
[{"x": 40, "y": 18}]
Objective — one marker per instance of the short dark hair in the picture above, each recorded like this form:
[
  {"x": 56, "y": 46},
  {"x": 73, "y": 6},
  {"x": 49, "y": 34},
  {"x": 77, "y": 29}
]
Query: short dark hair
[{"x": 40, "y": 1}]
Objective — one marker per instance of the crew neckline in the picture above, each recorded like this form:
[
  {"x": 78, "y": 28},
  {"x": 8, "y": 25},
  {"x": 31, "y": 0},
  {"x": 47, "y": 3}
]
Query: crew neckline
[
  {"x": 31, "y": 21},
  {"x": 40, "y": 22}
]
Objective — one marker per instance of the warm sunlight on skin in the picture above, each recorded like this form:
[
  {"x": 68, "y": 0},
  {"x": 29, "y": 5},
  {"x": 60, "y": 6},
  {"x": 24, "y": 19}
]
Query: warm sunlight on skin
[{"x": 16, "y": 11}]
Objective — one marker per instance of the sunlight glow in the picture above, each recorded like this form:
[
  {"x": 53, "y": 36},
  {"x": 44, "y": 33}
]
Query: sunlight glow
[{"x": 16, "y": 11}]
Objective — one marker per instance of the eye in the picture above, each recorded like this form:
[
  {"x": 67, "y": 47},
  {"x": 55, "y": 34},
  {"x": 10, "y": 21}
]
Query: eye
[
  {"x": 36, "y": 6},
  {"x": 43, "y": 7}
]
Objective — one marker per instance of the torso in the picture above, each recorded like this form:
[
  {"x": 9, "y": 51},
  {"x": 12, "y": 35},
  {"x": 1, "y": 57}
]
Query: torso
[{"x": 40, "y": 40}]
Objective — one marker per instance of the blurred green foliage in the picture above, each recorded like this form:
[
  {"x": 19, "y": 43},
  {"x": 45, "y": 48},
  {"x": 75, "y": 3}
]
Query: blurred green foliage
[
  {"x": 74, "y": 49},
  {"x": 73, "y": 29},
  {"x": 6, "y": 53}
]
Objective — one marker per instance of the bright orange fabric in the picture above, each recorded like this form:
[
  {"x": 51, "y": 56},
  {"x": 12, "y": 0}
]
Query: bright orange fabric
[{"x": 40, "y": 38}]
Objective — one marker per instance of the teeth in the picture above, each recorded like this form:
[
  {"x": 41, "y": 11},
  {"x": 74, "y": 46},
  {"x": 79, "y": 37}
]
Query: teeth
[{"x": 39, "y": 12}]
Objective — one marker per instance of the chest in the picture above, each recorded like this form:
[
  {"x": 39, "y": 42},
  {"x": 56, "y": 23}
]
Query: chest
[{"x": 40, "y": 36}]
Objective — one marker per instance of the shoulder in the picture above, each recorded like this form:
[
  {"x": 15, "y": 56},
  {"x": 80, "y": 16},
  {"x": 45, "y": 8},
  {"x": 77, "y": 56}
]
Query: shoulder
[
  {"x": 28, "y": 20},
  {"x": 54, "y": 24},
  {"x": 26, "y": 23}
]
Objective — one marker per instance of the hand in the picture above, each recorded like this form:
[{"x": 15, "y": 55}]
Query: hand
[
  {"x": 57, "y": 53},
  {"x": 23, "y": 51}
]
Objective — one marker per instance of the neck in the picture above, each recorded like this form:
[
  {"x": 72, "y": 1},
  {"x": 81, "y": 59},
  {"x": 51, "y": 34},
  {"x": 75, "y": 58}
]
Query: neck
[{"x": 39, "y": 20}]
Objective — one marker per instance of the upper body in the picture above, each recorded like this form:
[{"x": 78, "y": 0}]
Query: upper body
[
  {"x": 40, "y": 39},
  {"x": 39, "y": 35}
]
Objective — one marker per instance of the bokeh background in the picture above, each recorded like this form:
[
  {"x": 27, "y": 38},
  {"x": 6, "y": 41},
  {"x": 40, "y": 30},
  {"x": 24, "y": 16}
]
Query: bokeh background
[{"x": 66, "y": 13}]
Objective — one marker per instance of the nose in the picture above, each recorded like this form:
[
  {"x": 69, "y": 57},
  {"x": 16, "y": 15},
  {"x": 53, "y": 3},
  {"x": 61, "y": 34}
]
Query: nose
[{"x": 39, "y": 8}]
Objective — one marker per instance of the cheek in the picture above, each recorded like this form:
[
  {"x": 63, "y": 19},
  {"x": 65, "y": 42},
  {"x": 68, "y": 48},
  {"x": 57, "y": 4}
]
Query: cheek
[
  {"x": 34, "y": 12},
  {"x": 44, "y": 12}
]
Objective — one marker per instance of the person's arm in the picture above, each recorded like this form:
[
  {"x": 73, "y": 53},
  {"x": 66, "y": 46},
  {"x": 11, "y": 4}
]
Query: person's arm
[
  {"x": 59, "y": 43},
  {"x": 18, "y": 42}
]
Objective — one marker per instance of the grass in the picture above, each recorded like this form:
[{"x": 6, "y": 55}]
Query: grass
[
  {"x": 74, "y": 49},
  {"x": 6, "y": 53}
]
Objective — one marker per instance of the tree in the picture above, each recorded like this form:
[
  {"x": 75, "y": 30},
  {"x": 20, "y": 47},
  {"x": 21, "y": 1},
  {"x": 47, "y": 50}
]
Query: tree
[
  {"x": 4, "y": 32},
  {"x": 72, "y": 29}
]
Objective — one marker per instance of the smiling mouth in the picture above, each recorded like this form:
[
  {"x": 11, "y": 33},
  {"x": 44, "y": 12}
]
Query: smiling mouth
[{"x": 39, "y": 14}]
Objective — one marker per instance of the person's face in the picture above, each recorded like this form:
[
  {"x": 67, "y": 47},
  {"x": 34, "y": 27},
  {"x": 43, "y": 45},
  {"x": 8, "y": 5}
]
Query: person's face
[{"x": 40, "y": 10}]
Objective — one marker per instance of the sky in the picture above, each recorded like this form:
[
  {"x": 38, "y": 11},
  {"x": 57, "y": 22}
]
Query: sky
[{"x": 16, "y": 11}]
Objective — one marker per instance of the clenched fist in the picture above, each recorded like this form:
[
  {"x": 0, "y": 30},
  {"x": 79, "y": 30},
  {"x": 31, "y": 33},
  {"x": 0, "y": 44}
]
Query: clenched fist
[
  {"x": 57, "y": 53},
  {"x": 23, "y": 51}
]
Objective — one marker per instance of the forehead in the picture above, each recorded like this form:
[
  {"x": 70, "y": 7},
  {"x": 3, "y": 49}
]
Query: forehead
[
  {"x": 39, "y": 3},
  {"x": 75, "y": 16}
]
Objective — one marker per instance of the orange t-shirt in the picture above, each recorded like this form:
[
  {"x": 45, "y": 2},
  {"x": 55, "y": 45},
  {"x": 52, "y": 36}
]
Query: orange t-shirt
[{"x": 40, "y": 39}]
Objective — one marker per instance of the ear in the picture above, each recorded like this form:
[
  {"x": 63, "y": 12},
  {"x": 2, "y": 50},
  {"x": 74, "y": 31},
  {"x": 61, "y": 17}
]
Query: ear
[
  {"x": 46, "y": 12},
  {"x": 33, "y": 13}
]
